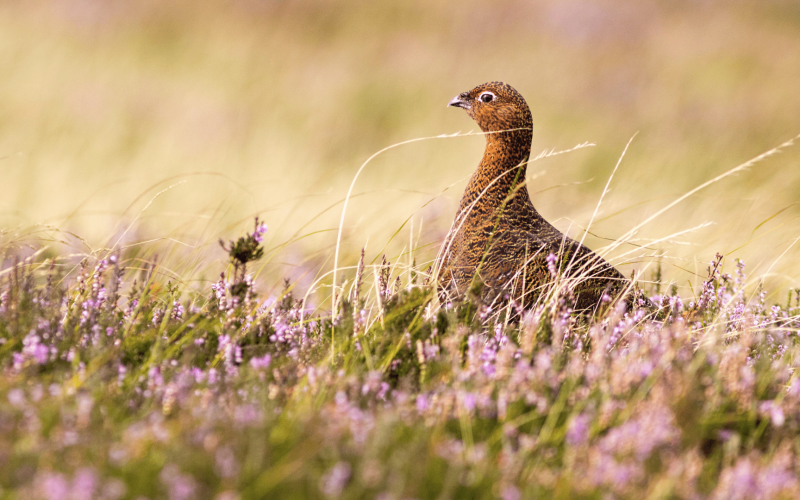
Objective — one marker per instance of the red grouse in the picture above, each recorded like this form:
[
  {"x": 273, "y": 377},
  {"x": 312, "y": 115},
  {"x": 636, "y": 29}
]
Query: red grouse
[{"x": 498, "y": 238}]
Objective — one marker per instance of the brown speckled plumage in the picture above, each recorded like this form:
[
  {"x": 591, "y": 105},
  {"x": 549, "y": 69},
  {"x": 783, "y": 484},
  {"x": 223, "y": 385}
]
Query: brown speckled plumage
[{"x": 498, "y": 237}]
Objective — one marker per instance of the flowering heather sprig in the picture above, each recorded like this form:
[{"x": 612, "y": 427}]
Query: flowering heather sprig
[
  {"x": 710, "y": 294},
  {"x": 260, "y": 230},
  {"x": 247, "y": 248},
  {"x": 177, "y": 311},
  {"x": 242, "y": 251},
  {"x": 383, "y": 278},
  {"x": 551, "y": 265}
]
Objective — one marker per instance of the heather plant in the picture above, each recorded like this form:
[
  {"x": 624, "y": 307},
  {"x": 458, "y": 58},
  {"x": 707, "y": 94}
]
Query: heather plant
[{"x": 115, "y": 385}]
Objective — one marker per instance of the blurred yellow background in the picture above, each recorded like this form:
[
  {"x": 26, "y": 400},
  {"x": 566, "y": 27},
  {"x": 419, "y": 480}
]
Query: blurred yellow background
[{"x": 246, "y": 107}]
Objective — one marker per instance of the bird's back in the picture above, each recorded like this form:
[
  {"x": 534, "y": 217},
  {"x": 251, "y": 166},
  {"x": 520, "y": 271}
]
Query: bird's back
[{"x": 507, "y": 252}]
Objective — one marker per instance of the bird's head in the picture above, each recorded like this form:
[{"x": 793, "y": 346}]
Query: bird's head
[{"x": 495, "y": 106}]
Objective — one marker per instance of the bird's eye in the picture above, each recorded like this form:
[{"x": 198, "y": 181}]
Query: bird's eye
[{"x": 486, "y": 97}]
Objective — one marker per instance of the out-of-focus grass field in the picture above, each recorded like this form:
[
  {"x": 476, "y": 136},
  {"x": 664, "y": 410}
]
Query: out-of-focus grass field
[{"x": 249, "y": 107}]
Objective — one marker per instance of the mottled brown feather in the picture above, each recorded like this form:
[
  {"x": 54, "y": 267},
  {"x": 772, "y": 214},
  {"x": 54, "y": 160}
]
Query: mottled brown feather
[{"x": 498, "y": 237}]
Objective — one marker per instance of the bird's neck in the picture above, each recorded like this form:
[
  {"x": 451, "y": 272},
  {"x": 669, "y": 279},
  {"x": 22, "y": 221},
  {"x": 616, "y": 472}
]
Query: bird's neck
[{"x": 501, "y": 173}]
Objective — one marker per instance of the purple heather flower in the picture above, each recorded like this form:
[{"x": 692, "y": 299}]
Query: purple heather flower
[
  {"x": 36, "y": 393},
  {"x": 157, "y": 314},
  {"x": 551, "y": 265},
  {"x": 261, "y": 363},
  {"x": 40, "y": 353},
  {"x": 738, "y": 482},
  {"x": 334, "y": 481},
  {"x": 114, "y": 489},
  {"x": 258, "y": 234},
  {"x": 32, "y": 349},
  {"x": 794, "y": 388},
  {"x": 510, "y": 493},
  {"x": 16, "y": 397},
  {"x": 642, "y": 435},
  {"x": 198, "y": 374},
  {"x": 118, "y": 455},
  {"x": 246, "y": 415},
  {"x": 180, "y": 486},
  {"x": 488, "y": 356},
  {"x": 725, "y": 434},
  {"x": 578, "y": 431},
  {"x": 84, "y": 485},
  {"x": 121, "y": 372},
  {"x": 224, "y": 340},
  {"x": 777, "y": 479},
  {"x": 54, "y": 486},
  {"x": 431, "y": 351},
  {"x": 468, "y": 400},
  {"x": 19, "y": 360},
  {"x": 383, "y": 391},
  {"x": 154, "y": 376},
  {"x": 226, "y": 465},
  {"x": 422, "y": 403},
  {"x": 775, "y": 412},
  {"x": 177, "y": 311},
  {"x": 609, "y": 471}
]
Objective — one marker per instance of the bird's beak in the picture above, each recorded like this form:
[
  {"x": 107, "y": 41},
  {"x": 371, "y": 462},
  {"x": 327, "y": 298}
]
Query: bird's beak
[{"x": 459, "y": 101}]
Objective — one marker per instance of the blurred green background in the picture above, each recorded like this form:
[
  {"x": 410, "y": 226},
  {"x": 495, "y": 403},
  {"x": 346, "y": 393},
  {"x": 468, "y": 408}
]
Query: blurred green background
[{"x": 246, "y": 107}]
